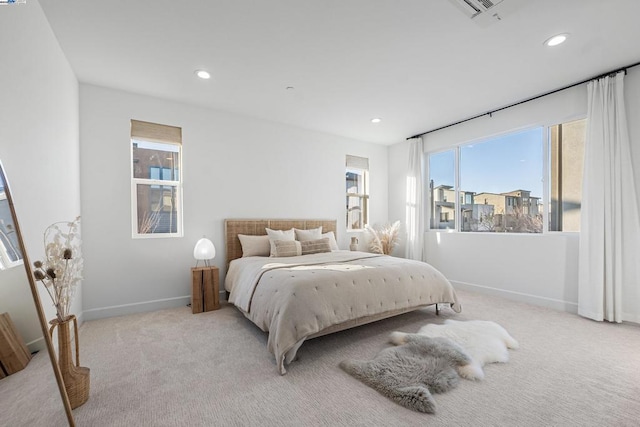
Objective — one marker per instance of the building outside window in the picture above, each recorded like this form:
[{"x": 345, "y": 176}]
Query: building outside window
[
  {"x": 357, "y": 195},
  {"x": 566, "y": 153},
  {"x": 441, "y": 190},
  {"x": 499, "y": 185},
  {"x": 156, "y": 185}
]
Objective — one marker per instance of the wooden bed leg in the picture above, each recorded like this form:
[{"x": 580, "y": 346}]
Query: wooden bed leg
[
  {"x": 227, "y": 294},
  {"x": 437, "y": 310}
]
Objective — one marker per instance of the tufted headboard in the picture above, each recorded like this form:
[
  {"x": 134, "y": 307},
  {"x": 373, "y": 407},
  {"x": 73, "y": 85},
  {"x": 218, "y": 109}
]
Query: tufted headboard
[{"x": 256, "y": 227}]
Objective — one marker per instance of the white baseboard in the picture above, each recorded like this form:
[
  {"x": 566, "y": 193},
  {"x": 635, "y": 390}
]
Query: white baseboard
[
  {"x": 556, "y": 304},
  {"x": 138, "y": 307},
  {"x": 36, "y": 345}
]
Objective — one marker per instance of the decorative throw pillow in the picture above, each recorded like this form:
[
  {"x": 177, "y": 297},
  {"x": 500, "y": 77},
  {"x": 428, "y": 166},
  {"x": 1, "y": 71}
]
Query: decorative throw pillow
[
  {"x": 254, "y": 245},
  {"x": 279, "y": 235},
  {"x": 315, "y": 246},
  {"x": 332, "y": 240},
  {"x": 286, "y": 248},
  {"x": 311, "y": 234}
]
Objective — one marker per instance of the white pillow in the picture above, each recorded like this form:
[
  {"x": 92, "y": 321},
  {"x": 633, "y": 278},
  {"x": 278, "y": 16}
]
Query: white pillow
[
  {"x": 285, "y": 248},
  {"x": 254, "y": 245},
  {"x": 311, "y": 234},
  {"x": 279, "y": 235},
  {"x": 332, "y": 240}
]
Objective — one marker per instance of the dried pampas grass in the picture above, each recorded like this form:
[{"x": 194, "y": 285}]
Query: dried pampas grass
[{"x": 383, "y": 238}]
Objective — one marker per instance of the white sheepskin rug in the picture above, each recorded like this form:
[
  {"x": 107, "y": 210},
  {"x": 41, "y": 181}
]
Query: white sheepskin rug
[{"x": 484, "y": 341}]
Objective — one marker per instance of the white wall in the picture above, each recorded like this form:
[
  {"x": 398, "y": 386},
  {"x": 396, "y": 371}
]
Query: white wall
[
  {"x": 38, "y": 146},
  {"x": 233, "y": 167},
  {"x": 541, "y": 269}
]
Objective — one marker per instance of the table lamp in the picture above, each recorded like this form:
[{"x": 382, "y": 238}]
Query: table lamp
[{"x": 204, "y": 250}]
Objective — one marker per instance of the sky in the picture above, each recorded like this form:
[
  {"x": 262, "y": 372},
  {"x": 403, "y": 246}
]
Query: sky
[{"x": 495, "y": 165}]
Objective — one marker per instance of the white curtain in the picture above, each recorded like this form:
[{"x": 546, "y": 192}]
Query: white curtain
[
  {"x": 610, "y": 229},
  {"x": 414, "y": 206}
]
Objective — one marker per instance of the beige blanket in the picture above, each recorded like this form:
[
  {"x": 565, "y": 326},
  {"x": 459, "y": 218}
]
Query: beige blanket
[{"x": 299, "y": 297}]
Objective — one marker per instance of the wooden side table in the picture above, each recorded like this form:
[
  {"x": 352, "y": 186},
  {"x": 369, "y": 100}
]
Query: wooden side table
[
  {"x": 205, "y": 289},
  {"x": 14, "y": 354}
]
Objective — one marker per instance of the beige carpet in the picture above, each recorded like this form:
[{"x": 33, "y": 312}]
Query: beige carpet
[{"x": 172, "y": 368}]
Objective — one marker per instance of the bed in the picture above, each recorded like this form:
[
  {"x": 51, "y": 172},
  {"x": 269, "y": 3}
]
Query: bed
[{"x": 296, "y": 298}]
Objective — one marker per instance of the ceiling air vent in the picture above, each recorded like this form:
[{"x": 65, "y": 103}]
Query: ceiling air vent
[{"x": 480, "y": 11}]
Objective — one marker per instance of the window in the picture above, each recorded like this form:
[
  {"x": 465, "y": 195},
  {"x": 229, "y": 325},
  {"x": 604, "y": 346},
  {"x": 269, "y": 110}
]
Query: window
[
  {"x": 501, "y": 185},
  {"x": 441, "y": 190},
  {"x": 154, "y": 171},
  {"x": 506, "y": 171},
  {"x": 357, "y": 179},
  {"x": 156, "y": 186},
  {"x": 10, "y": 254},
  {"x": 566, "y": 161}
]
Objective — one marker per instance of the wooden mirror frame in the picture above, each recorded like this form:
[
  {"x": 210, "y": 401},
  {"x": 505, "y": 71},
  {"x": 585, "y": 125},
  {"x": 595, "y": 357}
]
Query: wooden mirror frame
[{"x": 36, "y": 301}]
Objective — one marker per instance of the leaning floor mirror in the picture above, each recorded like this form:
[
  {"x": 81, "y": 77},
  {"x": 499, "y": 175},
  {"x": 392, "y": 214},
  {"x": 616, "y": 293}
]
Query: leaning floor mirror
[{"x": 26, "y": 386}]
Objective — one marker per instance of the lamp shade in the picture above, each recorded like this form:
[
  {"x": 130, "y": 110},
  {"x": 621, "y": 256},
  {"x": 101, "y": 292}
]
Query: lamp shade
[{"x": 204, "y": 249}]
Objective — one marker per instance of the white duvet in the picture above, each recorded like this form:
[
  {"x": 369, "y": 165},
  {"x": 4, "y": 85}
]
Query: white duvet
[{"x": 299, "y": 297}]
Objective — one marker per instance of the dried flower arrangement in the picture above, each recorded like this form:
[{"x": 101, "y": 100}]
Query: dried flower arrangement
[
  {"x": 384, "y": 238},
  {"x": 61, "y": 270}
]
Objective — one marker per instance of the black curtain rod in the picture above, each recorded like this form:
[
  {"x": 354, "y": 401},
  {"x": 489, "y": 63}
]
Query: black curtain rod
[{"x": 490, "y": 113}]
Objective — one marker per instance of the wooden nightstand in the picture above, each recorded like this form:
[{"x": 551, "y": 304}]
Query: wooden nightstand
[{"x": 205, "y": 289}]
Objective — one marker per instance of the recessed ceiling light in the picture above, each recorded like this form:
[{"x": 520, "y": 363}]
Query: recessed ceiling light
[
  {"x": 376, "y": 120},
  {"x": 203, "y": 74},
  {"x": 556, "y": 40}
]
